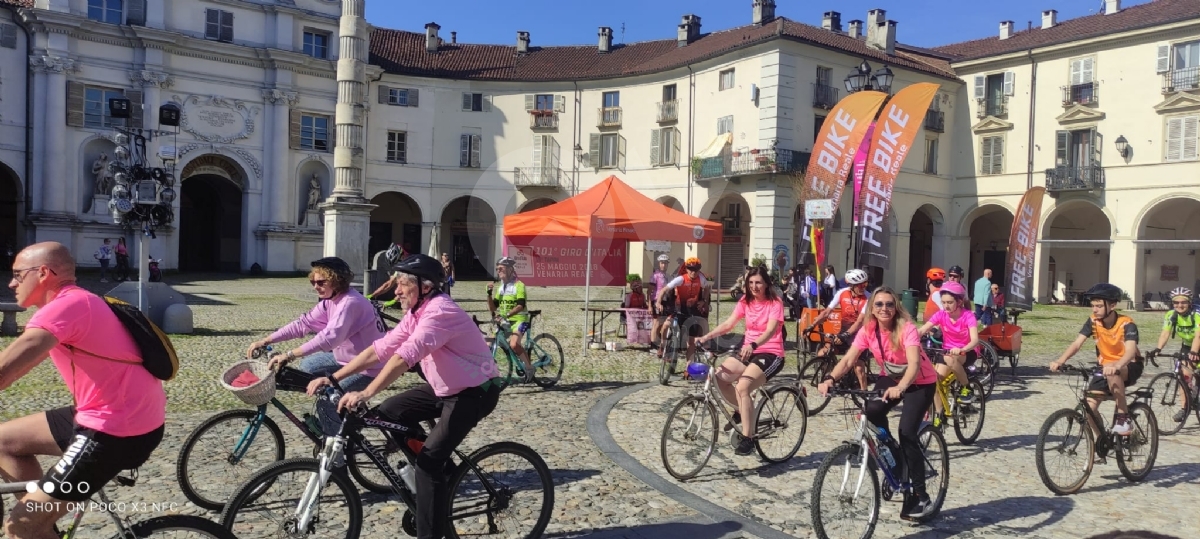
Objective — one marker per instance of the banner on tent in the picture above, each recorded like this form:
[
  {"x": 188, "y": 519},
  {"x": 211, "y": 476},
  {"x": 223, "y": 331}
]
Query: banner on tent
[
  {"x": 562, "y": 261},
  {"x": 902, "y": 118},
  {"x": 1022, "y": 251}
]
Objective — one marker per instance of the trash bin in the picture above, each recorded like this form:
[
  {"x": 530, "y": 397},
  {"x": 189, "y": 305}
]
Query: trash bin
[{"x": 908, "y": 299}]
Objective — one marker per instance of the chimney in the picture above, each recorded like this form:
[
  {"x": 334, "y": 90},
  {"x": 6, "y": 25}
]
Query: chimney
[
  {"x": 856, "y": 29},
  {"x": 875, "y": 19},
  {"x": 832, "y": 21},
  {"x": 1049, "y": 18},
  {"x": 764, "y": 11},
  {"x": 522, "y": 42},
  {"x": 888, "y": 37},
  {"x": 605, "y": 39},
  {"x": 453, "y": 38},
  {"x": 1006, "y": 29},
  {"x": 689, "y": 30},
  {"x": 1111, "y": 6},
  {"x": 431, "y": 38}
]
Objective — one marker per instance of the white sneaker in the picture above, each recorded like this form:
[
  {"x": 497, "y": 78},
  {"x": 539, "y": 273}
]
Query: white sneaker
[{"x": 1121, "y": 425}]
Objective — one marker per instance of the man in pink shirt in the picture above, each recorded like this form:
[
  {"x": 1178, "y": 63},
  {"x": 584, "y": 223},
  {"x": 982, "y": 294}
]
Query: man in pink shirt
[
  {"x": 117, "y": 420},
  {"x": 462, "y": 388}
]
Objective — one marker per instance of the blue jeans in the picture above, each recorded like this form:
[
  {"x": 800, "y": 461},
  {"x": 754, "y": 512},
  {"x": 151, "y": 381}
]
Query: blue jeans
[
  {"x": 104, "y": 268},
  {"x": 323, "y": 364}
]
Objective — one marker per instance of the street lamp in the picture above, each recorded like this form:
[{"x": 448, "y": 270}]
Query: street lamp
[
  {"x": 1122, "y": 145},
  {"x": 862, "y": 79}
]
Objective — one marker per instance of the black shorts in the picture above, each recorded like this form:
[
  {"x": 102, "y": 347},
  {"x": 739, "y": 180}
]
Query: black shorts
[
  {"x": 692, "y": 324},
  {"x": 770, "y": 364},
  {"x": 1099, "y": 384},
  {"x": 91, "y": 458},
  {"x": 841, "y": 349},
  {"x": 940, "y": 359}
]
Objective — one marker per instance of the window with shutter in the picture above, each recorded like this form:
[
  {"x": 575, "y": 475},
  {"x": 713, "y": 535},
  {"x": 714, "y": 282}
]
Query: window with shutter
[
  {"x": 108, "y": 11},
  {"x": 560, "y": 103},
  {"x": 1191, "y": 138},
  {"x": 594, "y": 150},
  {"x": 1097, "y": 148},
  {"x": 980, "y": 82},
  {"x": 544, "y": 102},
  {"x": 476, "y": 140},
  {"x": 95, "y": 106},
  {"x": 1009, "y": 82},
  {"x": 609, "y": 151},
  {"x": 620, "y": 153},
  {"x": 675, "y": 157},
  {"x": 466, "y": 102},
  {"x": 997, "y": 155},
  {"x": 1174, "y": 139},
  {"x": 8, "y": 36},
  {"x": 726, "y": 79},
  {"x": 135, "y": 109},
  {"x": 1076, "y": 68},
  {"x": 539, "y": 143},
  {"x": 398, "y": 97},
  {"x": 385, "y": 95},
  {"x": 75, "y": 103},
  {"x": 474, "y": 102},
  {"x": 487, "y": 103},
  {"x": 1062, "y": 145},
  {"x": 218, "y": 25},
  {"x": 137, "y": 13},
  {"x": 555, "y": 153},
  {"x": 314, "y": 133},
  {"x": 655, "y": 155},
  {"x": 1163, "y": 64},
  {"x": 991, "y": 155},
  {"x": 397, "y": 147},
  {"x": 227, "y": 26},
  {"x": 931, "y": 155},
  {"x": 414, "y": 96},
  {"x": 530, "y": 102},
  {"x": 464, "y": 150},
  {"x": 316, "y": 43}
]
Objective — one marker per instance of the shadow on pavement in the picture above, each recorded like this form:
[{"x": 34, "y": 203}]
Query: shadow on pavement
[
  {"x": 566, "y": 476},
  {"x": 1175, "y": 474},
  {"x": 993, "y": 513},
  {"x": 664, "y": 530},
  {"x": 590, "y": 386},
  {"x": 1011, "y": 394}
]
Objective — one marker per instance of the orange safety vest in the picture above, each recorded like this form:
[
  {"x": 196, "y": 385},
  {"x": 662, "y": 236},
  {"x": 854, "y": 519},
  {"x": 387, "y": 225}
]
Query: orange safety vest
[
  {"x": 688, "y": 290},
  {"x": 931, "y": 306},
  {"x": 1110, "y": 342}
]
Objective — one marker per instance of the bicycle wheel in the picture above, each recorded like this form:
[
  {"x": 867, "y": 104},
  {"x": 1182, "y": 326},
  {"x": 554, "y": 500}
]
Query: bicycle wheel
[
  {"x": 337, "y": 510},
  {"x": 364, "y": 471},
  {"x": 985, "y": 368},
  {"x": 504, "y": 365},
  {"x": 547, "y": 355},
  {"x": 1065, "y": 442},
  {"x": 670, "y": 357},
  {"x": 845, "y": 495},
  {"x": 178, "y": 526},
  {"x": 513, "y": 498},
  {"x": 781, "y": 425},
  {"x": 689, "y": 437},
  {"x": 936, "y": 457},
  {"x": 811, "y": 375},
  {"x": 1136, "y": 452},
  {"x": 968, "y": 418},
  {"x": 212, "y": 444},
  {"x": 1167, "y": 404}
]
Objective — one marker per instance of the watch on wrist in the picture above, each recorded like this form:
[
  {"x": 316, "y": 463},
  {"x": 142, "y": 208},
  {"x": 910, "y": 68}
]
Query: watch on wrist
[
  {"x": 753, "y": 346},
  {"x": 827, "y": 378}
]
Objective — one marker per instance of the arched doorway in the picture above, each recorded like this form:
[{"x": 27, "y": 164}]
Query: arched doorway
[
  {"x": 396, "y": 219},
  {"x": 469, "y": 228},
  {"x": 989, "y": 231},
  {"x": 10, "y": 214},
  {"x": 734, "y": 214},
  {"x": 210, "y": 215},
  {"x": 536, "y": 204},
  {"x": 920, "y": 249},
  {"x": 1078, "y": 236},
  {"x": 1168, "y": 236}
]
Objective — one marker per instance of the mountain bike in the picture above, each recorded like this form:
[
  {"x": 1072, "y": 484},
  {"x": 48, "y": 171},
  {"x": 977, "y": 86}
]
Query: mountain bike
[
  {"x": 672, "y": 344},
  {"x": 1070, "y": 438},
  {"x": 545, "y": 353},
  {"x": 982, "y": 370},
  {"x": 813, "y": 367},
  {"x": 1175, "y": 394},
  {"x": 967, "y": 417},
  {"x": 847, "y": 481},
  {"x": 307, "y": 497},
  {"x": 781, "y": 419},
  {"x": 164, "y": 526}
]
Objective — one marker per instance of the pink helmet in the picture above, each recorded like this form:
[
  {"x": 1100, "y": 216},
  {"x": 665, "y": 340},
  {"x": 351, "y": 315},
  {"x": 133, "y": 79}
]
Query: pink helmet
[{"x": 954, "y": 288}]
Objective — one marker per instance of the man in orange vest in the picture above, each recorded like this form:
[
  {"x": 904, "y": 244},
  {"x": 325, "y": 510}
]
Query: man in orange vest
[{"x": 691, "y": 299}]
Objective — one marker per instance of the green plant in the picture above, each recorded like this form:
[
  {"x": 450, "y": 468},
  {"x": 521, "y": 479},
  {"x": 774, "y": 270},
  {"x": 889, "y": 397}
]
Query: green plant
[
  {"x": 632, "y": 277},
  {"x": 759, "y": 260},
  {"x": 697, "y": 163}
]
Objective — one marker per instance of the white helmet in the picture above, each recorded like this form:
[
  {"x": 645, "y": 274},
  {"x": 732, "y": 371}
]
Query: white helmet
[
  {"x": 664, "y": 257},
  {"x": 856, "y": 276}
]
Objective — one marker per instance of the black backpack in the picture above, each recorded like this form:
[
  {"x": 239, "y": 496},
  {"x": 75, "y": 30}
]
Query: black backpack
[{"x": 158, "y": 354}]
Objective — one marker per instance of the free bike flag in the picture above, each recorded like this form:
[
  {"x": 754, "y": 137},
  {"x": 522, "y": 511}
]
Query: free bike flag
[
  {"x": 895, "y": 130},
  {"x": 833, "y": 154},
  {"x": 1022, "y": 251}
]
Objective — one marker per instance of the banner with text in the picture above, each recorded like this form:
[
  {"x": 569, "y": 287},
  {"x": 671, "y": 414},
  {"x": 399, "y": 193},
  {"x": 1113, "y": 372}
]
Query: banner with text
[
  {"x": 860, "y": 170},
  {"x": 833, "y": 156},
  {"x": 1022, "y": 251},
  {"x": 562, "y": 261},
  {"x": 895, "y": 130}
]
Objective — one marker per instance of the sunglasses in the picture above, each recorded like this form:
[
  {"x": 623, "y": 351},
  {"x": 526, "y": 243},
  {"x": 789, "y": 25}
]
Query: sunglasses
[
  {"x": 885, "y": 305},
  {"x": 1184, "y": 302},
  {"x": 318, "y": 282}
]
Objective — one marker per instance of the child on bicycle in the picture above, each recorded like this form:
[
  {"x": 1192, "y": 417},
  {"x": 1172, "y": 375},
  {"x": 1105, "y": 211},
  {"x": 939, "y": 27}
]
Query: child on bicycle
[
  {"x": 1181, "y": 321},
  {"x": 960, "y": 337}
]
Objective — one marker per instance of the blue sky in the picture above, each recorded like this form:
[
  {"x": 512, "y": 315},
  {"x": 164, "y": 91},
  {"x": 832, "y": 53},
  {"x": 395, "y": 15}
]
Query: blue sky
[{"x": 924, "y": 23}]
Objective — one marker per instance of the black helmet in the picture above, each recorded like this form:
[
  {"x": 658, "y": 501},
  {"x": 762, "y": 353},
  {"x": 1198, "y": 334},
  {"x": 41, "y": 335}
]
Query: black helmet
[
  {"x": 1104, "y": 291},
  {"x": 337, "y": 266},
  {"x": 956, "y": 270},
  {"x": 422, "y": 266}
]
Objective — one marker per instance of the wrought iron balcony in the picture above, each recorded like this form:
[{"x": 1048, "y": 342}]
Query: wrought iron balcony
[
  {"x": 543, "y": 119},
  {"x": 668, "y": 111},
  {"x": 1082, "y": 94},
  {"x": 935, "y": 120},
  {"x": 996, "y": 106},
  {"x": 768, "y": 161},
  {"x": 824, "y": 97},
  {"x": 1085, "y": 178},
  {"x": 551, "y": 177},
  {"x": 609, "y": 117},
  {"x": 1181, "y": 79}
]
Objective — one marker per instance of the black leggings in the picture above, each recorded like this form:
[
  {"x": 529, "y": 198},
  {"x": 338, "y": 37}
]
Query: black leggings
[{"x": 916, "y": 402}]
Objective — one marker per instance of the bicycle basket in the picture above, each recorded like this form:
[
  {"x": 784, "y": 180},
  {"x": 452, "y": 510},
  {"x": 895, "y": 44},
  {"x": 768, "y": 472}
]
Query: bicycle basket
[{"x": 257, "y": 393}]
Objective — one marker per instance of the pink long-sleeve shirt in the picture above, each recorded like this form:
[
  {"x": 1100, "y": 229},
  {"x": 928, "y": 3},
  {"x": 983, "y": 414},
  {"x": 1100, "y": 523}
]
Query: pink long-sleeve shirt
[
  {"x": 346, "y": 325},
  {"x": 447, "y": 344}
]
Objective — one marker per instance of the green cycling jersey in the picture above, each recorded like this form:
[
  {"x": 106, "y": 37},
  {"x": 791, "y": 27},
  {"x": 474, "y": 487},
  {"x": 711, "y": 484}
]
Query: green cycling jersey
[
  {"x": 509, "y": 295},
  {"x": 1182, "y": 325}
]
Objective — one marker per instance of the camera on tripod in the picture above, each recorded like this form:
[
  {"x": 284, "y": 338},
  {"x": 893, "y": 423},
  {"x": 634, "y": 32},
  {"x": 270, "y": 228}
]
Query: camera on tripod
[{"x": 141, "y": 194}]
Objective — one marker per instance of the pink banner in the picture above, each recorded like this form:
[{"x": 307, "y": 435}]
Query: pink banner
[
  {"x": 562, "y": 261},
  {"x": 860, "y": 169}
]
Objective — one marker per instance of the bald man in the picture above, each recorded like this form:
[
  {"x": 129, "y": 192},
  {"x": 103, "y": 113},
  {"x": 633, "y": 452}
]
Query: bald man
[{"x": 117, "y": 420}]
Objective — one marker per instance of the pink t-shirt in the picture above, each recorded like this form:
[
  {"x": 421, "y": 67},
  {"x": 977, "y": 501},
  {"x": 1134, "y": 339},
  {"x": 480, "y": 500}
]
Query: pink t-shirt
[
  {"x": 865, "y": 340},
  {"x": 115, "y": 398},
  {"x": 447, "y": 344},
  {"x": 955, "y": 333},
  {"x": 757, "y": 315}
]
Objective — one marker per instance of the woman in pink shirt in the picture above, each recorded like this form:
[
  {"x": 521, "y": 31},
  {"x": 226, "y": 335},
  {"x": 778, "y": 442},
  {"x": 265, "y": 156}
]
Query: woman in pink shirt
[
  {"x": 960, "y": 336},
  {"x": 891, "y": 335},
  {"x": 761, "y": 357},
  {"x": 462, "y": 386}
]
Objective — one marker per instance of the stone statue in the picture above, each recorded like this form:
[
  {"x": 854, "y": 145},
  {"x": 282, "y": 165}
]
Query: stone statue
[
  {"x": 104, "y": 178},
  {"x": 314, "y": 192}
]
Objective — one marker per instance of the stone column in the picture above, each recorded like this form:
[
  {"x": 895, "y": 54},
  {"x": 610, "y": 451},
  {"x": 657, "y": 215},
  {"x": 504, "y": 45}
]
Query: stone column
[
  {"x": 37, "y": 181},
  {"x": 152, "y": 84},
  {"x": 773, "y": 208},
  {"x": 275, "y": 154},
  {"x": 55, "y": 132},
  {"x": 347, "y": 213}
]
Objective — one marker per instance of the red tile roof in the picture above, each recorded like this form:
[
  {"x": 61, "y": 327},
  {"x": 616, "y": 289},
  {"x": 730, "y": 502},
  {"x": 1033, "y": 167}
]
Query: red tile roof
[
  {"x": 403, "y": 52},
  {"x": 18, "y": 3},
  {"x": 1154, "y": 13}
]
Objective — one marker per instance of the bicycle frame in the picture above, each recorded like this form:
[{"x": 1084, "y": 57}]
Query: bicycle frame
[
  {"x": 1101, "y": 432},
  {"x": 287, "y": 379}
]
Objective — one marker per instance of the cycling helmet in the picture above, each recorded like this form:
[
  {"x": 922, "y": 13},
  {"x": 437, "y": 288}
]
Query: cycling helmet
[
  {"x": 856, "y": 276},
  {"x": 424, "y": 267},
  {"x": 1104, "y": 291},
  {"x": 506, "y": 261},
  {"x": 692, "y": 263},
  {"x": 338, "y": 267},
  {"x": 955, "y": 289},
  {"x": 1183, "y": 292},
  {"x": 392, "y": 255},
  {"x": 956, "y": 270},
  {"x": 936, "y": 274},
  {"x": 664, "y": 257}
]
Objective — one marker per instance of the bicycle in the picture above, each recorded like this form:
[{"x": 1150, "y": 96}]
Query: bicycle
[
  {"x": 777, "y": 421},
  {"x": 982, "y": 370},
  {"x": 480, "y": 501},
  {"x": 960, "y": 412},
  {"x": 860, "y": 461},
  {"x": 232, "y": 434},
  {"x": 813, "y": 367},
  {"x": 672, "y": 344},
  {"x": 125, "y": 528},
  {"x": 543, "y": 352},
  {"x": 1080, "y": 426},
  {"x": 1169, "y": 387}
]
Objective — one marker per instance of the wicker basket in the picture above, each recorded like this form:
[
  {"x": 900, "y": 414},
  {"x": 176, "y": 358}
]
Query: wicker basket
[{"x": 256, "y": 394}]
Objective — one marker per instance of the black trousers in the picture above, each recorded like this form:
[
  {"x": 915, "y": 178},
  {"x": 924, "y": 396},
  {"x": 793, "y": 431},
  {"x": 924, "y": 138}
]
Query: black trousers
[
  {"x": 456, "y": 416},
  {"x": 917, "y": 400}
]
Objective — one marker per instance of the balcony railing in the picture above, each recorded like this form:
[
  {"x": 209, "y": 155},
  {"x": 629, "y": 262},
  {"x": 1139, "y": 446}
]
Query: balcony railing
[
  {"x": 935, "y": 120},
  {"x": 1085, "y": 178},
  {"x": 1181, "y": 79},
  {"x": 996, "y": 106},
  {"x": 668, "y": 111},
  {"x": 543, "y": 119},
  {"x": 749, "y": 162},
  {"x": 609, "y": 117},
  {"x": 1082, "y": 94},
  {"x": 539, "y": 177},
  {"x": 824, "y": 97}
]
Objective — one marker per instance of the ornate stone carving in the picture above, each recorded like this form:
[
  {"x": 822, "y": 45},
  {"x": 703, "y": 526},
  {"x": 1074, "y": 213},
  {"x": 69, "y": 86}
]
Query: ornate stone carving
[
  {"x": 151, "y": 78},
  {"x": 186, "y": 149},
  {"x": 104, "y": 177},
  {"x": 314, "y": 192},
  {"x": 250, "y": 160},
  {"x": 217, "y": 119},
  {"x": 53, "y": 64},
  {"x": 275, "y": 96}
]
